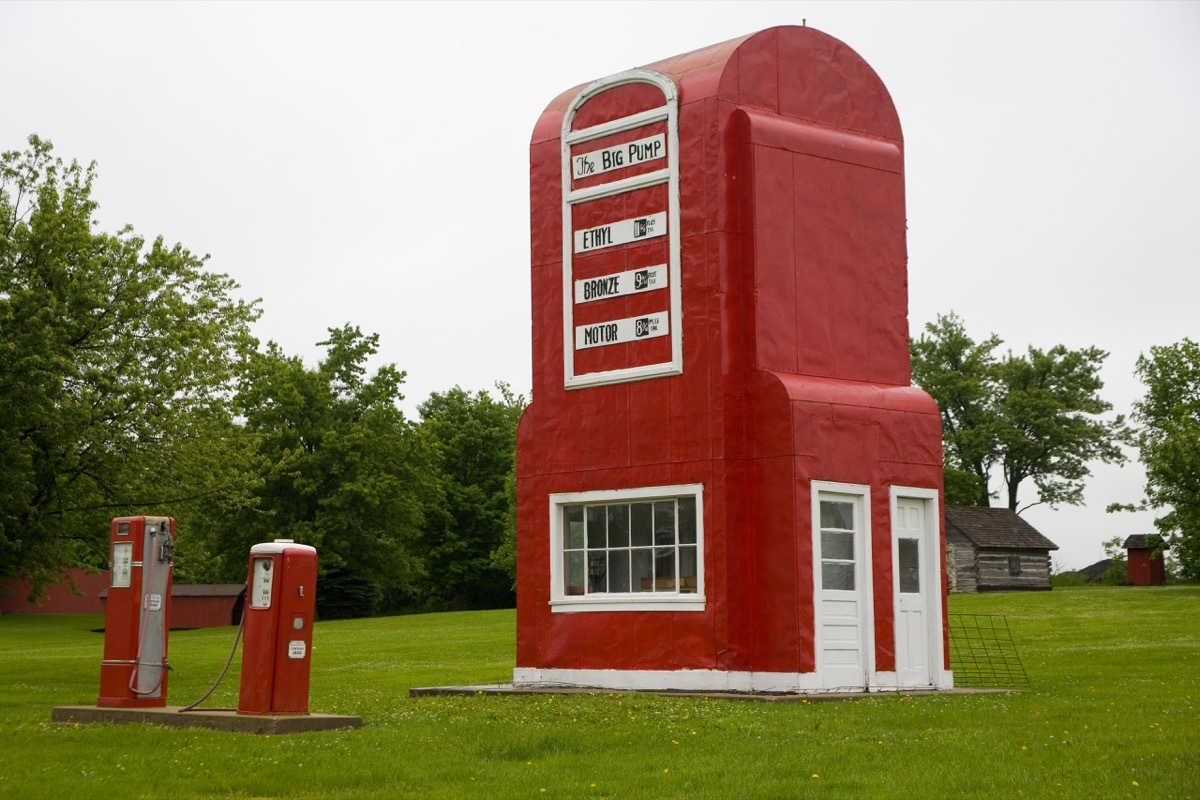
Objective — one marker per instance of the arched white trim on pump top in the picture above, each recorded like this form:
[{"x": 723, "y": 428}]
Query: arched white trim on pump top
[{"x": 668, "y": 112}]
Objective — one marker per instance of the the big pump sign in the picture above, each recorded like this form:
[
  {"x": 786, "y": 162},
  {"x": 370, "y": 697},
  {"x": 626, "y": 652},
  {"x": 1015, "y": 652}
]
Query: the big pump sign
[{"x": 621, "y": 294}]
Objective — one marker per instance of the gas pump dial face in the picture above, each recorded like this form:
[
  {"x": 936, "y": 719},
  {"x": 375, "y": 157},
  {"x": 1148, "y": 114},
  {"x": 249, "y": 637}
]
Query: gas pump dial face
[
  {"x": 260, "y": 588},
  {"x": 122, "y": 566}
]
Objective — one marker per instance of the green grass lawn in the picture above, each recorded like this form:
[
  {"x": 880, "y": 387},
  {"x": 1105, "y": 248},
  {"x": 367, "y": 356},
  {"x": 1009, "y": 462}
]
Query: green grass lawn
[{"x": 1112, "y": 713}]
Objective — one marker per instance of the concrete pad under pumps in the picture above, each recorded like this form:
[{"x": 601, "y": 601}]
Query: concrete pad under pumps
[{"x": 215, "y": 719}]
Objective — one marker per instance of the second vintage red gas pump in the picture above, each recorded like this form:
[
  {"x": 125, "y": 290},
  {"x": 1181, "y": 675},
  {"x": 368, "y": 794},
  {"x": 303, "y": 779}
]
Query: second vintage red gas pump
[
  {"x": 277, "y": 651},
  {"x": 134, "y": 670}
]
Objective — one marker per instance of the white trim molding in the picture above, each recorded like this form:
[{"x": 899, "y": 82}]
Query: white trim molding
[
  {"x": 677, "y": 600},
  {"x": 691, "y": 680},
  {"x": 667, "y": 113}
]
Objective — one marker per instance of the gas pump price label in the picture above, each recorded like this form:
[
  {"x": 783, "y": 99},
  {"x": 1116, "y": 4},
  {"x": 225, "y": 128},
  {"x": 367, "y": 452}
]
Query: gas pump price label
[
  {"x": 620, "y": 331},
  {"x": 621, "y": 232},
  {"x": 621, "y": 284}
]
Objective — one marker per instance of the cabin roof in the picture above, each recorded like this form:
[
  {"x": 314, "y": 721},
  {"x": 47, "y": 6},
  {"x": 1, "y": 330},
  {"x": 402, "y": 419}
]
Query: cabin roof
[{"x": 996, "y": 527}]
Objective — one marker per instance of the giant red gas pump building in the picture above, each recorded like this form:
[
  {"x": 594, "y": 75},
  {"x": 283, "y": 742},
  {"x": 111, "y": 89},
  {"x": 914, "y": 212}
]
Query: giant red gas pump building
[{"x": 725, "y": 479}]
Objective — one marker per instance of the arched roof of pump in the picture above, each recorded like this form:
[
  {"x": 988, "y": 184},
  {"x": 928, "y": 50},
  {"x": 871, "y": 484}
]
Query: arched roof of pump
[{"x": 794, "y": 71}]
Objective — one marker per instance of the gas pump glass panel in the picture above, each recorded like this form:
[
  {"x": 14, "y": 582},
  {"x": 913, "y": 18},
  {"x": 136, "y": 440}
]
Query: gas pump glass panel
[
  {"x": 122, "y": 564},
  {"x": 262, "y": 582}
]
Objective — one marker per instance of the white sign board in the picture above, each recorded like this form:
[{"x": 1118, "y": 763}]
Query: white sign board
[
  {"x": 623, "y": 232},
  {"x": 627, "y": 154},
  {"x": 634, "y": 281},
  {"x": 619, "y": 331}
]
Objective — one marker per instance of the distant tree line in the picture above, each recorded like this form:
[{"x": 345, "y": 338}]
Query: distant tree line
[{"x": 131, "y": 384}]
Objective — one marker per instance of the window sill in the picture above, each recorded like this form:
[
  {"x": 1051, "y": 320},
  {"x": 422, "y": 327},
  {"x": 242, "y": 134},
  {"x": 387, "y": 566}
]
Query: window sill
[{"x": 572, "y": 605}]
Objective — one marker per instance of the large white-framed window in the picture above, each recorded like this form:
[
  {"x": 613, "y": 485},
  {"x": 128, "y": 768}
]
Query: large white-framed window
[{"x": 628, "y": 549}]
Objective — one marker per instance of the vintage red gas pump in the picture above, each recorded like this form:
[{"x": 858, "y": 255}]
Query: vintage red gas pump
[
  {"x": 278, "y": 629},
  {"x": 134, "y": 670}
]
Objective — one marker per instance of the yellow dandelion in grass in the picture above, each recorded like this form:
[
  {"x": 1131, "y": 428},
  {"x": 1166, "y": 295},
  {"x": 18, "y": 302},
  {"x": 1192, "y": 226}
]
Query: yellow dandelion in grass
[
  {"x": 1135, "y": 783},
  {"x": 815, "y": 775}
]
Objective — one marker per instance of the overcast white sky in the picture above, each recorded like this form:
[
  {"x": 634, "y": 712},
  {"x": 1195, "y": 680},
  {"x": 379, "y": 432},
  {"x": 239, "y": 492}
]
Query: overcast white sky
[{"x": 367, "y": 163}]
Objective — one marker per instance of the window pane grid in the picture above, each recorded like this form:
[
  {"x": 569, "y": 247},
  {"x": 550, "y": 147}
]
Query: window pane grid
[{"x": 639, "y": 547}]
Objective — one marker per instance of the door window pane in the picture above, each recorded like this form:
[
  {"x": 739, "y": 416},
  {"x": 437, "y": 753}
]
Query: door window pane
[
  {"x": 837, "y": 576},
  {"x": 910, "y": 566},
  {"x": 837, "y": 514},
  {"x": 837, "y": 546}
]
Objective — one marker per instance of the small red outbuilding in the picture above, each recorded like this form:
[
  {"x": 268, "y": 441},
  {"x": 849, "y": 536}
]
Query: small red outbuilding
[{"x": 1146, "y": 563}]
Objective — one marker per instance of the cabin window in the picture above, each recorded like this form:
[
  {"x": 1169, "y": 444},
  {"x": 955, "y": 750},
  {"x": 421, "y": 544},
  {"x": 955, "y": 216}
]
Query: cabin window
[
  {"x": 639, "y": 549},
  {"x": 1014, "y": 565}
]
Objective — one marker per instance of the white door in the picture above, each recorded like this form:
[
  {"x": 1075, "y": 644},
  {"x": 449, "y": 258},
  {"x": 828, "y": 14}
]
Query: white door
[
  {"x": 843, "y": 590},
  {"x": 912, "y": 547}
]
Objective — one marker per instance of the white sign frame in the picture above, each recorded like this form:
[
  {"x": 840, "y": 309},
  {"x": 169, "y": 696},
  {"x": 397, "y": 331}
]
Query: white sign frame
[{"x": 669, "y": 113}]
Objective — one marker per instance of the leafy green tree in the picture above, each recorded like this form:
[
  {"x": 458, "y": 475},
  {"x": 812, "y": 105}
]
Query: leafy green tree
[
  {"x": 1118, "y": 573},
  {"x": 116, "y": 361},
  {"x": 1168, "y": 441},
  {"x": 1049, "y": 410},
  {"x": 960, "y": 374},
  {"x": 1035, "y": 417},
  {"x": 339, "y": 467},
  {"x": 463, "y": 542}
]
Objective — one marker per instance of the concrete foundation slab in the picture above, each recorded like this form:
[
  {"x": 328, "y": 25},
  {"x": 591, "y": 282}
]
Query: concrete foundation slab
[
  {"x": 215, "y": 719},
  {"x": 506, "y": 689}
]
